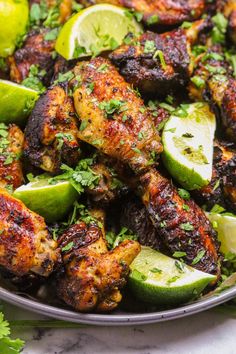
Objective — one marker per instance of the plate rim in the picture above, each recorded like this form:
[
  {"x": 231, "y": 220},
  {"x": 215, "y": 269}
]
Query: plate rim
[{"x": 117, "y": 319}]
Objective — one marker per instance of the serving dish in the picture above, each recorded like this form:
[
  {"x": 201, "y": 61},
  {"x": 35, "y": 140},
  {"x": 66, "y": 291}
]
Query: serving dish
[{"x": 118, "y": 318}]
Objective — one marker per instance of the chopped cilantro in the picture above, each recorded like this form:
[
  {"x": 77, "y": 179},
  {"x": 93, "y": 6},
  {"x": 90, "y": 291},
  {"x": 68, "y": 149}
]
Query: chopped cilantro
[
  {"x": 68, "y": 247},
  {"x": 183, "y": 193},
  {"x": 198, "y": 257},
  {"x": 152, "y": 20},
  {"x": 149, "y": 47},
  {"x": 179, "y": 254},
  {"x": 187, "y": 226}
]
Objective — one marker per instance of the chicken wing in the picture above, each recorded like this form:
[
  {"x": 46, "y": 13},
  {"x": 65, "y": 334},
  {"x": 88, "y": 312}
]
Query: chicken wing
[
  {"x": 160, "y": 12},
  {"x": 93, "y": 276},
  {"x": 11, "y": 148},
  {"x": 36, "y": 51},
  {"x": 51, "y": 132},
  {"x": 25, "y": 243},
  {"x": 181, "y": 224},
  {"x": 158, "y": 63},
  {"x": 113, "y": 117},
  {"x": 222, "y": 188}
]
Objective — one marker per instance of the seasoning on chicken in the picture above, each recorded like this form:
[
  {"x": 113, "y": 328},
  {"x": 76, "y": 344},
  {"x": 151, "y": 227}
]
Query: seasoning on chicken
[
  {"x": 11, "y": 148},
  {"x": 93, "y": 275},
  {"x": 113, "y": 117},
  {"x": 25, "y": 243},
  {"x": 180, "y": 223},
  {"x": 158, "y": 63},
  {"x": 160, "y": 12},
  {"x": 218, "y": 86},
  {"x": 222, "y": 188},
  {"x": 37, "y": 52},
  {"x": 51, "y": 132}
]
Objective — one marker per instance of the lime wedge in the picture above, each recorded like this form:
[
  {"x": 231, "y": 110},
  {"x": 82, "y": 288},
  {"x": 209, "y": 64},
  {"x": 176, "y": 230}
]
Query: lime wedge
[
  {"x": 16, "y": 102},
  {"x": 225, "y": 225},
  {"x": 188, "y": 145},
  {"x": 95, "y": 29},
  {"x": 161, "y": 280},
  {"x": 52, "y": 201},
  {"x": 13, "y": 21}
]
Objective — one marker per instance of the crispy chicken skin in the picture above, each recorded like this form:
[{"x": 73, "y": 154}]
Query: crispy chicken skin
[
  {"x": 93, "y": 276},
  {"x": 219, "y": 90},
  {"x": 182, "y": 230},
  {"x": 222, "y": 188},
  {"x": 51, "y": 132},
  {"x": 114, "y": 117},
  {"x": 167, "y": 12},
  {"x": 11, "y": 148},
  {"x": 158, "y": 63},
  {"x": 25, "y": 243},
  {"x": 35, "y": 51}
]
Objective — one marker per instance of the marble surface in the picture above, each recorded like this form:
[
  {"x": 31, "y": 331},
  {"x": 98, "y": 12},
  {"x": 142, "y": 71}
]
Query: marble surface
[{"x": 208, "y": 332}]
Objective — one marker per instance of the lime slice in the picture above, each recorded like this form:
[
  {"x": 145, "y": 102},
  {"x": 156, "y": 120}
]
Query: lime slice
[
  {"x": 16, "y": 102},
  {"x": 161, "y": 280},
  {"x": 188, "y": 145},
  {"x": 225, "y": 225},
  {"x": 52, "y": 201},
  {"x": 13, "y": 21},
  {"x": 95, "y": 29}
]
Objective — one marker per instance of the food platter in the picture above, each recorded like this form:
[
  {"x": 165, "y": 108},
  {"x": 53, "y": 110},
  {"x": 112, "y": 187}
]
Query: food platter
[{"x": 118, "y": 318}]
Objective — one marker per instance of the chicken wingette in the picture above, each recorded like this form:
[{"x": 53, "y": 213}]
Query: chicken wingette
[
  {"x": 177, "y": 227},
  {"x": 93, "y": 275},
  {"x": 25, "y": 243},
  {"x": 158, "y": 63},
  {"x": 160, "y": 12},
  {"x": 51, "y": 132},
  {"x": 114, "y": 118},
  {"x": 11, "y": 149}
]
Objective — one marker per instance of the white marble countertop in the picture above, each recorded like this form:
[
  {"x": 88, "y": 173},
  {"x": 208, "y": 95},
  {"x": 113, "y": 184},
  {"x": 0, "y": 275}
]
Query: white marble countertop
[{"x": 208, "y": 332}]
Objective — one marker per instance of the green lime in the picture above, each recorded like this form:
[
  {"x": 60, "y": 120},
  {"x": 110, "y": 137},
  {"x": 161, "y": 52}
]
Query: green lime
[
  {"x": 95, "y": 29},
  {"x": 188, "y": 145},
  {"x": 161, "y": 280},
  {"x": 225, "y": 225},
  {"x": 13, "y": 21},
  {"x": 16, "y": 102},
  {"x": 52, "y": 201}
]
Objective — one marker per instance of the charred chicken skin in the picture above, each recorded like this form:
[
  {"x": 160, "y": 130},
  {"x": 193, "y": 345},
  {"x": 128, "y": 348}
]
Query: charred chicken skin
[
  {"x": 93, "y": 275},
  {"x": 113, "y": 116},
  {"x": 11, "y": 149},
  {"x": 25, "y": 243},
  {"x": 160, "y": 12},
  {"x": 165, "y": 207},
  {"x": 51, "y": 132},
  {"x": 158, "y": 63},
  {"x": 35, "y": 51},
  {"x": 222, "y": 188}
]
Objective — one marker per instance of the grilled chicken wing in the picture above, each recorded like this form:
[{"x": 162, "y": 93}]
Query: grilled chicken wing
[
  {"x": 222, "y": 188},
  {"x": 25, "y": 243},
  {"x": 51, "y": 132},
  {"x": 93, "y": 276},
  {"x": 219, "y": 87},
  {"x": 114, "y": 118},
  {"x": 181, "y": 224},
  {"x": 35, "y": 51},
  {"x": 11, "y": 148},
  {"x": 158, "y": 63},
  {"x": 177, "y": 227},
  {"x": 160, "y": 12}
]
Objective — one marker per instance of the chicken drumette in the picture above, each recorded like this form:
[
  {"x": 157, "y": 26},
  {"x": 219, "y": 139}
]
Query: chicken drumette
[
  {"x": 51, "y": 132},
  {"x": 93, "y": 275},
  {"x": 25, "y": 243}
]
